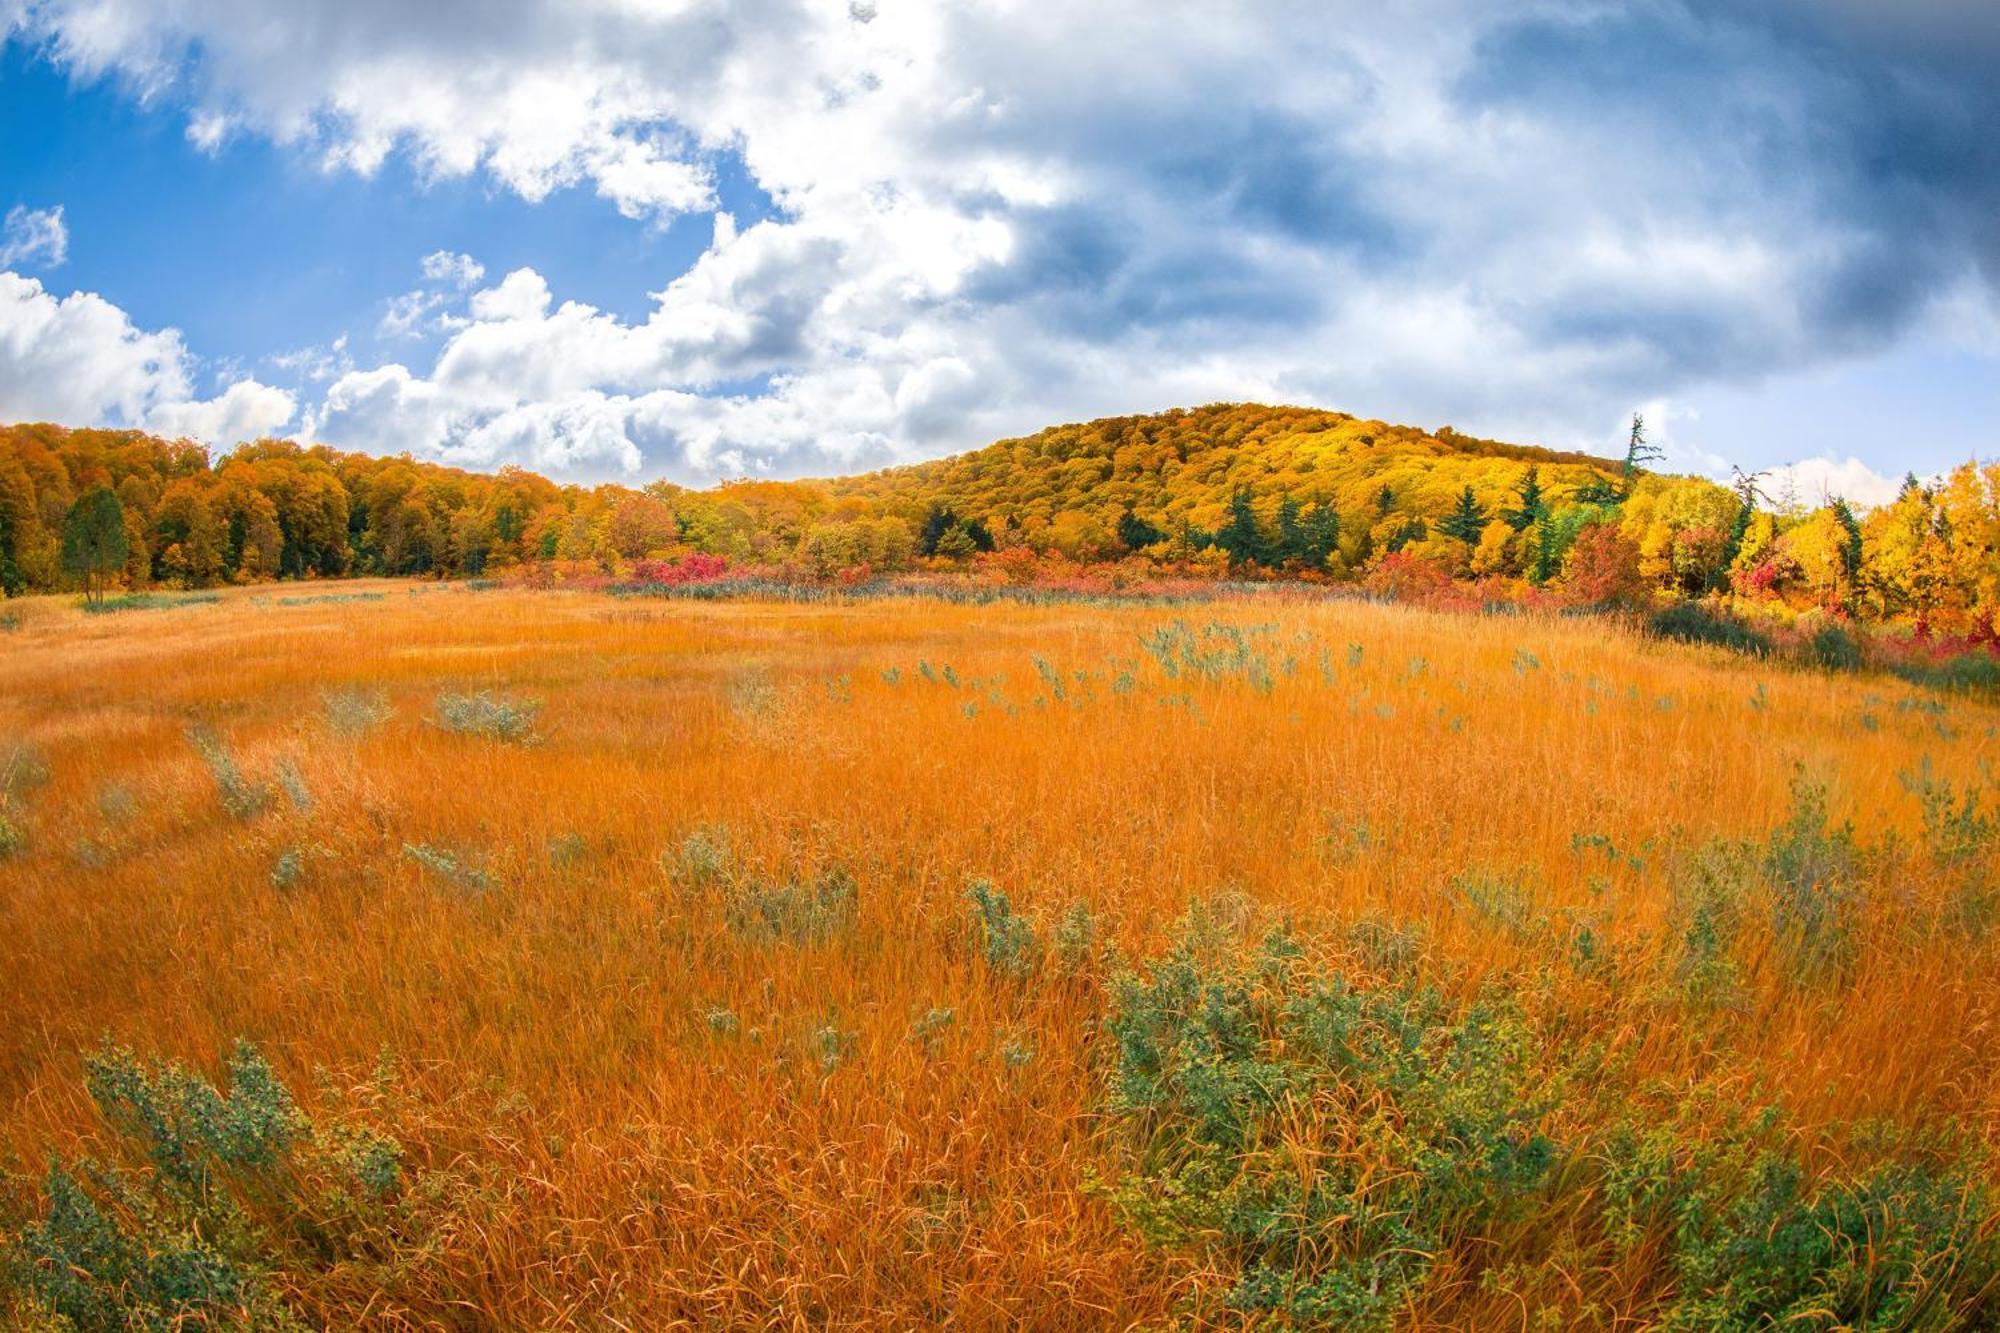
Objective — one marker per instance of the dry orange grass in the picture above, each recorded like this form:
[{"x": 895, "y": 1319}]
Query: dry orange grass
[{"x": 620, "y": 1158}]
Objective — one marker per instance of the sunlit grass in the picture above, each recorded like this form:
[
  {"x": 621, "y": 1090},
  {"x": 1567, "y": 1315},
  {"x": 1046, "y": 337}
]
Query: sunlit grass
[{"x": 783, "y": 977}]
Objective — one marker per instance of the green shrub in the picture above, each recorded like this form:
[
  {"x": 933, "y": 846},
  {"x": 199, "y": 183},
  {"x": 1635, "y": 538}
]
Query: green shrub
[
  {"x": 790, "y": 910},
  {"x": 1809, "y": 867},
  {"x": 1331, "y": 1136},
  {"x": 352, "y": 710},
  {"x": 703, "y": 859},
  {"x": 450, "y": 867},
  {"x": 1422, "y": 1117},
  {"x": 148, "y": 601},
  {"x": 241, "y": 798},
  {"x": 22, "y": 770},
  {"x": 1705, "y": 915},
  {"x": 488, "y": 714},
  {"x": 210, "y": 1195},
  {"x": 1833, "y": 648},
  {"x": 1006, "y": 938},
  {"x": 1691, "y": 622},
  {"x": 1755, "y": 1243},
  {"x": 1075, "y": 941}
]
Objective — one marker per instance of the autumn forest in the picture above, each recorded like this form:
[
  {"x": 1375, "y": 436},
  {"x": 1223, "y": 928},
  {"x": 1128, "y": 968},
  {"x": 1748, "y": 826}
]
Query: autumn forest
[{"x": 1240, "y": 492}]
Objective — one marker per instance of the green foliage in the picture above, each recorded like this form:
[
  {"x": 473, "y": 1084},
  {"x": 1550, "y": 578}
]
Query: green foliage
[
  {"x": 1975, "y": 672},
  {"x": 354, "y": 710},
  {"x": 241, "y": 798},
  {"x": 1007, "y": 939},
  {"x": 1692, "y": 622},
  {"x": 1958, "y": 826},
  {"x": 451, "y": 867},
  {"x": 1833, "y": 648},
  {"x": 703, "y": 859},
  {"x": 795, "y": 910},
  {"x": 489, "y": 714},
  {"x": 1422, "y": 1118},
  {"x": 94, "y": 544},
  {"x": 212, "y": 1194},
  {"x": 1959, "y": 833},
  {"x": 1757, "y": 1243},
  {"x": 1706, "y": 912},
  {"x": 147, "y": 601},
  {"x": 1332, "y": 1134},
  {"x": 1467, "y": 520},
  {"x": 1809, "y": 868}
]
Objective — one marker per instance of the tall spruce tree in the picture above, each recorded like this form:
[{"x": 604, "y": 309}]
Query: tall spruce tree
[
  {"x": 1533, "y": 503},
  {"x": 1467, "y": 521},
  {"x": 1240, "y": 535}
]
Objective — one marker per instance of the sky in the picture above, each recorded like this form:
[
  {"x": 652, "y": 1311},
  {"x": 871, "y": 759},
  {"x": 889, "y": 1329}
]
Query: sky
[{"x": 694, "y": 239}]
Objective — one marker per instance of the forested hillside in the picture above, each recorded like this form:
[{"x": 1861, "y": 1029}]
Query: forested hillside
[{"x": 1242, "y": 490}]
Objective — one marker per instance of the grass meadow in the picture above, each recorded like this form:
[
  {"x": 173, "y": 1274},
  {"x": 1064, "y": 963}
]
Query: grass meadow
[{"x": 619, "y": 963}]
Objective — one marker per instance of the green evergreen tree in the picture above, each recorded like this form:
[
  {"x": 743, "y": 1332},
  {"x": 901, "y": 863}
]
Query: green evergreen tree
[
  {"x": 1240, "y": 536},
  {"x": 1467, "y": 521},
  {"x": 1135, "y": 533},
  {"x": 1533, "y": 503},
  {"x": 1291, "y": 543},
  {"x": 1638, "y": 452},
  {"x": 1320, "y": 536}
]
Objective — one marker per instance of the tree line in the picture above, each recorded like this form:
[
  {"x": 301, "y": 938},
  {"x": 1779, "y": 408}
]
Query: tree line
[{"x": 1238, "y": 490}]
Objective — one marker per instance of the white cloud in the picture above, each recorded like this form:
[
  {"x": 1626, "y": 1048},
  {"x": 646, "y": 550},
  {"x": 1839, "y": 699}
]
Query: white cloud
[
  {"x": 80, "y": 360},
  {"x": 452, "y": 270},
  {"x": 1813, "y": 481},
  {"x": 246, "y": 410},
  {"x": 991, "y": 215},
  {"x": 417, "y": 312},
  {"x": 33, "y": 236}
]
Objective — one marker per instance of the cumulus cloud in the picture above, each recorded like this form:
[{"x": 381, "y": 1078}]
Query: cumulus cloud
[
  {"x": 79, "y": 360},
  {"x": 1812, "y": 481},
  {"x": 1514, "y": 215},
  {"x": 33, "y": 237},
  {"x": 246, "y": 410}
]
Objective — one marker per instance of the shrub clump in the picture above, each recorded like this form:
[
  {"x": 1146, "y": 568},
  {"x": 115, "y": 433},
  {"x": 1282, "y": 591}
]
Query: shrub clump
[
  {"x": 450, "y": 867},
  {"x": 1007, "y": 940},
  {"x": 1424, "y": 1119},
  {"x": 796, "y": 911},
  {"x": 1691, "y": 622},
  {"x": 1832, "y": 647},
  {"x": 240, "y": 797},
  {"x": 1336, "y": 1137},
  {"x": 210, "y": 1195},
  {"x": 488, "y": 714},
  {"x": 354, "y": 710}
]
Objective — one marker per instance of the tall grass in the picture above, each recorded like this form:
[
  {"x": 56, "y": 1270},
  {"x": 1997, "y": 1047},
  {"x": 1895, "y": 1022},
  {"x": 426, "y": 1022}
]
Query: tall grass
[{"x": 1067, "y": 966}]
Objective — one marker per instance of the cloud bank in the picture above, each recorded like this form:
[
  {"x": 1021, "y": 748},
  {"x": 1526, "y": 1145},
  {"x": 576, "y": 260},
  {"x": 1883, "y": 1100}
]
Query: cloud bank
[
  {"x": 79, "y": 359},
  {"x": 1523, "y": 215}
]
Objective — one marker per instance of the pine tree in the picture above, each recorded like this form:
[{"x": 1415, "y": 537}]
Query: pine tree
[
  {"x": 1291, "y": 544},
  {"x": 1320, "y": 536},
  {"x": 1135, "y": 533},
  {"x": 1466, "y": 522},
  {"x": 1637, "y": 451},
  {"x": 1533, "y": 502},
  {"x": 1240, "y": 536}
]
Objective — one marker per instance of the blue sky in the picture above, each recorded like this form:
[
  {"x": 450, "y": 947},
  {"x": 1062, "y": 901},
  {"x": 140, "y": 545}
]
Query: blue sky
[{"x": 787, "y": 237}]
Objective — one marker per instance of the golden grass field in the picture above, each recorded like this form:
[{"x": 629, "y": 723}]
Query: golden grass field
[{"x": 621, "y": 1106}]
